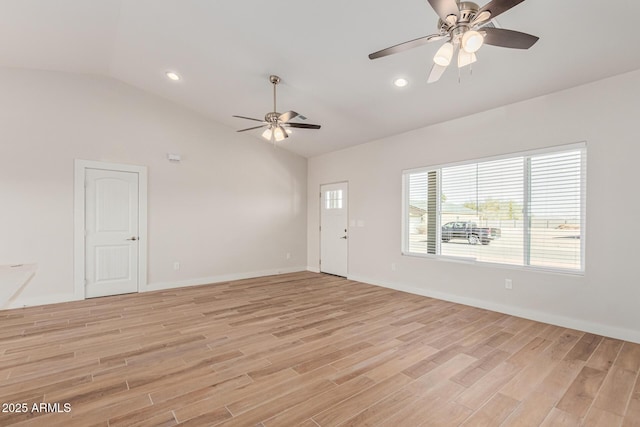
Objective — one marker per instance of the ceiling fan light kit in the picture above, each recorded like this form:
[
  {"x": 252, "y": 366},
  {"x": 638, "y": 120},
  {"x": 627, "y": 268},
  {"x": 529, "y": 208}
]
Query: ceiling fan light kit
[
  {"x": 277, "y": 125},
  {"x": 279, "y": 134},
  {"x": 444, "y": 55},
  {"x": 468, "y": 28},
  {"x": 465, "y": 58},
  {"x": 472, "y": 41}
]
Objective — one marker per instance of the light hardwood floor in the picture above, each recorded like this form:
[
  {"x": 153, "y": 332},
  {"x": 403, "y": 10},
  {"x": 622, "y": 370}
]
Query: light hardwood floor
[{"x": 307, "y": 349}]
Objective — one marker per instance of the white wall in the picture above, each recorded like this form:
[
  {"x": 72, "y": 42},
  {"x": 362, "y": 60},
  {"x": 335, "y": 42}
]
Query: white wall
[
  {"x": 234, "y": 207},
  {"x": 605, "y": 300}
]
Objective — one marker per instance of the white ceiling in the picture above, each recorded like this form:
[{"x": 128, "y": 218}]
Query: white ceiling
[{"x": 225, "y": 51}]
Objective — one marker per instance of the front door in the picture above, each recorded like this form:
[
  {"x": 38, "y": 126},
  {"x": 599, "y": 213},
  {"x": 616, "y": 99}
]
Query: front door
[
  {"x": 111, "y": 232},
  {"x": 333, "y": 228}
]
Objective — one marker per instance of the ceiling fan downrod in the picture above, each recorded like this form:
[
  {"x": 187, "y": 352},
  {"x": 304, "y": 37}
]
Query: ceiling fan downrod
[{"x": 274, "y": 80}]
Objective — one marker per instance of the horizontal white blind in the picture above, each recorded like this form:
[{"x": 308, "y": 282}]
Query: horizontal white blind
[
  {"x": 519, "y": 210},
  {"x": 556, "y": 209},
  {"x": 487, "y": 199}
]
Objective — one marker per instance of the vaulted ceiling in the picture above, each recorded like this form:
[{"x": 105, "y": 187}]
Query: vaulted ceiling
[{"x": 226, "y": 50}]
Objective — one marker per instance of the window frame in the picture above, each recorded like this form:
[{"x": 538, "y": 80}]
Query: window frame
[{"x": 405, "y": 234}]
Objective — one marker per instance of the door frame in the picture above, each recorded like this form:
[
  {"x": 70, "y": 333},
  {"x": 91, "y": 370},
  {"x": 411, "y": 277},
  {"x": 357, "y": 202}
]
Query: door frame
[
  {"x": 80, "y": 168},
  {"x": 320, "y": 223}
]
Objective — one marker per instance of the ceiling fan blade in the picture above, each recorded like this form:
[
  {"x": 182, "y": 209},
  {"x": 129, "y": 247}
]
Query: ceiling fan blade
[
  {"x": 285, "y": 117},
  {"x": 436, "y": 73},
  {"x": 496, "y": 7},
  {"x": 256, "y": 127},
  {"x": 302, "y": 125},
  {"x": 508, "y": 38},
  {"x": 248, "y": 118},
  {"x": 406, "y": 46},
  {"x": 445, "y": 8}
]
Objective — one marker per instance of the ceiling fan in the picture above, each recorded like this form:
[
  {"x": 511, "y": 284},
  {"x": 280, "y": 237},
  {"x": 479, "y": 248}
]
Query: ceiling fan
[
  {"x": 467, "y": 27},
  {"x": 278, "y": 125}
]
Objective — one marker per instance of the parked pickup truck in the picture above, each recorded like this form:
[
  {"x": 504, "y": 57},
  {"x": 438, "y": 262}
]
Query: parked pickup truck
[{"x": 469, "y": 231}]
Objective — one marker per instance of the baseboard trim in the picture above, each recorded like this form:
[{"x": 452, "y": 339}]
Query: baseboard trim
[
  {"x": 313, "y": 269},
  {"x": 221, "y": 278},
  {"x": 539, "y": 316},
  {"x": 31, "y": 302},
  {"x": 56, "y": 299},
  {"x": 566, "y": 322}
]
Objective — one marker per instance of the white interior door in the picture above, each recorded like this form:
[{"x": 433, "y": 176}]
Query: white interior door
[
  {"x": 111, "y": 232},
  {"x": 334, "y": 217}
]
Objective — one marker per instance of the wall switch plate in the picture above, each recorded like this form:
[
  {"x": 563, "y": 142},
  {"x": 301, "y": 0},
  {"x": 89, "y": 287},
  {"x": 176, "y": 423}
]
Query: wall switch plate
[
  {"x": 176, "y": 265},
  {"x": 508, "y": 284}
]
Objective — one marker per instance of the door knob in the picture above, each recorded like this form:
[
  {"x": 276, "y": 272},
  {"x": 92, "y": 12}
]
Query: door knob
[
  {"x": 344, "y": 237},
  {"x": 133, "y": 238}
]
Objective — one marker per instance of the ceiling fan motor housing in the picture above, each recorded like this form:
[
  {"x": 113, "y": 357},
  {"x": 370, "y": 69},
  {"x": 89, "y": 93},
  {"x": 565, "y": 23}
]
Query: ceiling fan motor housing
[
  {"x": 272, "y": 117},
  {"x": 468, "y": 11}
]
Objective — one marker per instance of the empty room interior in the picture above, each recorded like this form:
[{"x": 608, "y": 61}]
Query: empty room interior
[{"x": 386, "y": 213}]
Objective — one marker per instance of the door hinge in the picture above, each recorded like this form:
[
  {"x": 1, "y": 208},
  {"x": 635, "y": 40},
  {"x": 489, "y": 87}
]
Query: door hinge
[
  {"x": 320, "y": 261},
  {"x": 320, "y": 228},
  {"x": 321, "y": 194}
]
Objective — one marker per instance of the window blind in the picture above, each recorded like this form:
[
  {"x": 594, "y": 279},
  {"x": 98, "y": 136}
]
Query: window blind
[
  {"x": 525, "y": 209},
  {"x": 555, "y": 210},
  {"x": 488, "y": 198}
]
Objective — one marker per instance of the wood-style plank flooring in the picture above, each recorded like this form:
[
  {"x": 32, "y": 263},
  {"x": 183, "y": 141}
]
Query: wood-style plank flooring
[{"x": 307, "y": 349}]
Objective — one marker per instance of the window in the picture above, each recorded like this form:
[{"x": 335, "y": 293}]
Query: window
[
  {"x": 333, "y": 199},
  {"x": 525, "y": 209}
]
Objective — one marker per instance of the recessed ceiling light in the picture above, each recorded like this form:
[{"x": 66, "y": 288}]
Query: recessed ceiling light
[
  {"x": 171, "y": 75},
  {"x": 400, "y": 82}
]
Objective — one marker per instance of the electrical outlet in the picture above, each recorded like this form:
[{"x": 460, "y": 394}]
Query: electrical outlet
[
  {"x": 288, "y": 255},
  {"x": 176, "y": 265},
  {"x": 393, "y": 266},
  {"x": 508, "y": 284}
]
